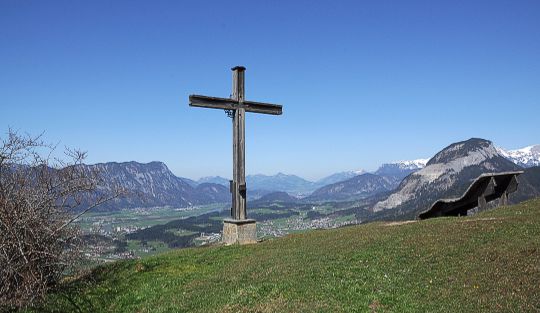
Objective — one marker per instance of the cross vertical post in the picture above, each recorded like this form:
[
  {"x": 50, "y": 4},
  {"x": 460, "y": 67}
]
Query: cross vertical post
[{"x": 239, "y": 144}]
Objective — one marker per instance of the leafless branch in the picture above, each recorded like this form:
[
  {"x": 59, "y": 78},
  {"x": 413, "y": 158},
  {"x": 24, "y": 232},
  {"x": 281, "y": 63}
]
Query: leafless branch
[{"x": 40, "y": 198}]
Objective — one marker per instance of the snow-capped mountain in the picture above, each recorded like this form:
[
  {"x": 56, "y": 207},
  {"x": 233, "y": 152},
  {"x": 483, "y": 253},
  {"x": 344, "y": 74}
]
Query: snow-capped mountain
[
  {"x": 446, "y": 175},
  {"x": 410, "y": 165},
  {"x": 400, "y": 169},
  {"x": 525, "y": 157}
]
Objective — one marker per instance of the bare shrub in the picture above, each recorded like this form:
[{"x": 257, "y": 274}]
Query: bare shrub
[{"x": 40, "y": 197}]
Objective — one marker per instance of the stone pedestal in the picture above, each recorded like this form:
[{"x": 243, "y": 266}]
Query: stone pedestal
[{"x": 239, "y": 231}]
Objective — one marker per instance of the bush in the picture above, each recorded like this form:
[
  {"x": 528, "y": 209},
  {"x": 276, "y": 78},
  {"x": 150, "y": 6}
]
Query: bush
[{"x": 38, "y": 198}]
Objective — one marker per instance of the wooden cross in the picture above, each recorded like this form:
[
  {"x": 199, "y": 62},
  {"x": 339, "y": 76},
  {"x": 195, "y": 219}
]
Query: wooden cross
[{"x": 236, "y": 106}]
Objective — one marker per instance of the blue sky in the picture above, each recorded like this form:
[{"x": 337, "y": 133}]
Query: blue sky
[{"x": 361, "y": 83}]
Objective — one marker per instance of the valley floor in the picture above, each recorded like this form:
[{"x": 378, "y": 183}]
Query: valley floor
[{"x": 489, "y": 262}]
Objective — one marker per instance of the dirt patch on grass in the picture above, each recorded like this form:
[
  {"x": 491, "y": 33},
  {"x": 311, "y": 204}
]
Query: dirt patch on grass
[
  {"x": 482, "y": 219},
  {"x": 399, "y": 223}
]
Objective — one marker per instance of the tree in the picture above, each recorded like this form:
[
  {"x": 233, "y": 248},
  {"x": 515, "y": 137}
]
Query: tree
[{"x": 40, "y": 198}]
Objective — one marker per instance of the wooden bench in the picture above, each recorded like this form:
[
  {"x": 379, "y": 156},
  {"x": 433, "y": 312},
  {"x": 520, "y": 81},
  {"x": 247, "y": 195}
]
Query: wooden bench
[{"x": 485, "y": 188}]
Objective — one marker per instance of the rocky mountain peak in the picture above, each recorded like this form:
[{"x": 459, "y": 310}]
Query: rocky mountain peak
[{"x": 475, "y": 149}]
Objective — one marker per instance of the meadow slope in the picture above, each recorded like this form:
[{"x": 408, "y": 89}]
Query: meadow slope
[{"x": 489, "y": 262}]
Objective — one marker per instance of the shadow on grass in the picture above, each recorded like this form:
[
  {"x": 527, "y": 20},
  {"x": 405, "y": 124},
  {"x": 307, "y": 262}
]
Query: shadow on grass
[{"x": 92, "y": 292}]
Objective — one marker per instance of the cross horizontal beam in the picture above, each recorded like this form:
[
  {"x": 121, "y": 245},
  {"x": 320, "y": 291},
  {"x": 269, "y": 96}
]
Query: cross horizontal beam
[{"x": 230, "y": 104}]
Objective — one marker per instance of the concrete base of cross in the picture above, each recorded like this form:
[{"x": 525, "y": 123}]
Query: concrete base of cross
[{"x": 239, "y": 231}]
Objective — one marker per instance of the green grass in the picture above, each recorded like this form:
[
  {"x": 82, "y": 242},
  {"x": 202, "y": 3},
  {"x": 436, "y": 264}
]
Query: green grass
[
  {"x": 345, "y": 218},
  {"x": 152, "y": 247},
  {"x": 486, "y": 263}
]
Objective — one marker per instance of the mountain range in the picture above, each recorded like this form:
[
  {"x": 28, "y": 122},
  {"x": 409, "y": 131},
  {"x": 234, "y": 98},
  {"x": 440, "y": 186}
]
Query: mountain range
[
  {"x": 259, "y": 184},
  {"x": 418, "y": 183},
  {"x": 262, "y": 184},
  {"x": 409, "y": 183}
]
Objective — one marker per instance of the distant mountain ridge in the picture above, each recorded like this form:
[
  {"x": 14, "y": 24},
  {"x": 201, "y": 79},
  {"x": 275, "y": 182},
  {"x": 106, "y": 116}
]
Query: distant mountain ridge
[
  {"x": 338, "y": 177},
  {"x": 153, "y": 184},
  {"x": 280, "y": 182},
  {"x": 386, "y": 178},
  {"x": 358, "y": 187},
  {"x": 260, "y": 184}
]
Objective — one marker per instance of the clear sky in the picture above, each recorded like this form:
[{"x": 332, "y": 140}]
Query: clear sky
[{"x": 361, "y": 82}]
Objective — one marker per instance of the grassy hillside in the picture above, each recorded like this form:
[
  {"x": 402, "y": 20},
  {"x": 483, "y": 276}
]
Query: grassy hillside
[{"x": 486, "y": 263}]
